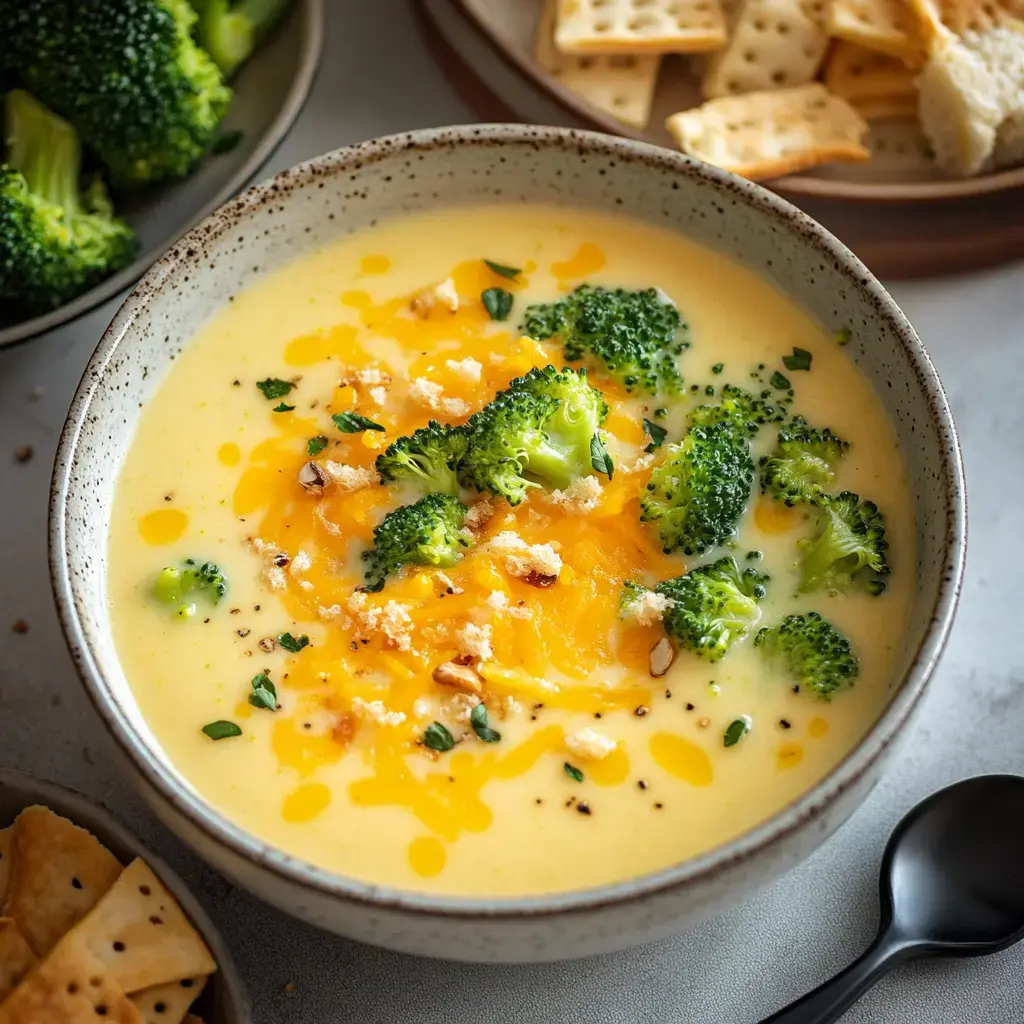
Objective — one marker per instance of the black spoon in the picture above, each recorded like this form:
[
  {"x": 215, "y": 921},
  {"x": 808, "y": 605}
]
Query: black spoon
[{"x": 952, "y": 884}]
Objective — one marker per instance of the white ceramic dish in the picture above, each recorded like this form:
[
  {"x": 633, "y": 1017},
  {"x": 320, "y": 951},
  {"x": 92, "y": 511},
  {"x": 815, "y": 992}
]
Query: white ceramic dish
[{"x": 306, "y": 207}]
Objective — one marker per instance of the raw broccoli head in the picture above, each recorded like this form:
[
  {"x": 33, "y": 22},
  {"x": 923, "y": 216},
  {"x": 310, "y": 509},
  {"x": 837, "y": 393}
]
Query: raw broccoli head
[
  {"x": 126, "y": 73},
  {"x": 539, "y": 428},
  {"x": 713, "y": 606},
  {"x": 803, "y": 464},
  {"x": 181, "y": 587},
  {"x": 229, "y": 32},
  {"x": 55, "y": 240},
  {"x": 740, "y": 408},
  {"x": 426, "y": 533},
  {"x": 635, "y": 335},
  {"x": 812, "y": 651},
  {"x": 849, "y": 547},
  {"x": 696, "y": 497},
  {"x": 429, "y": 458}
]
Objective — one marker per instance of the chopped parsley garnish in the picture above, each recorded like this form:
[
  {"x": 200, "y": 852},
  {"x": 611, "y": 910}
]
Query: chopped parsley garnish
[
  {"x": 497, "y": 302},
  {"x": 504, "y": 271},
  {"x": 478, "y": 719},
  {"x": 293, "y": 643},
  {"x": 842, "y": 336},
  {"x": 315, "y": 445},
  {"x": 573, "y": 772},
  {"x": 353, "y": 423},
  {"x": 736, "y": 731},
  {"x": 779, "y": 382},
  {"x": 437, "y": 737},
  {"x": 799, "y": 360},
  {"x": 718, "y": 368},
  {"x": 224, "y": 142},
  {"x": 656, "y": 433},
  {"x": 599, "y": 457},
  {"x": 274, "y": 387},
  {"x": 221, "y": 730},
  {"x": 264, "y": 693},
  {"x": 281, "y": 407}
]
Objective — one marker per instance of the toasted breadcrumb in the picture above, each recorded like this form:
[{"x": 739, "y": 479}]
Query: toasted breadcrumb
[
  {"x": 351, "y": 478},
  {"x": 522, "y": 559},
  {"x": 369, "y": 375},
  {"x": 468, "y": 369},
  {"x": 392, "y": 620},
  {"x": 274, "y": 575},
  {"x": 376, "y": 711},
  {"x": 579, "y": 497},
  {"x": 301, "y": 563},
  {"x": 379, "y": 395},
  {"x": 497, "y": 599},
  {"x": 475, "y": 642},
  {"x": 447, "y": 294},
  {"x": 478, "y": 514},
  {"x": 459, "y": 707},
  {"x": 648, "y": 608},
  {"x": 589, "y": 744}
]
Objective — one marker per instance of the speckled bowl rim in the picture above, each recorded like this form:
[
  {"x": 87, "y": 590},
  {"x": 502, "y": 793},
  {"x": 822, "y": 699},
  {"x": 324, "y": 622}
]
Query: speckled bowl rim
[
  {"x": 173, "y": 789},
  {"x": 311, "y": 48},
  {"x": 91, "y": 815}
]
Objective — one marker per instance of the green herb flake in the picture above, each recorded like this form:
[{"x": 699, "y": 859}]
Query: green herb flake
[
  {"x": 281, "y": 407},
  {"x": 437, "y": 737},
  {"x": 224, "y": 142},
  {"x": 221, "y": 730},
  {"x": 573, "y": 772},
  {"x": 497, "y": 302},
  {"x": 264, "y": 693},
  {"x": 718, "y": 368},
  {"x": 599, "y": 457},
  {"x": 842, "y": 336},
  {"x": 656, "y": 433},
  {"x": 504, "y": 271},
  {"x": 274, "y": 387},
  {"x": 799, "y": 360},
  {"x": 353, "y": 423},
  {"x": 736, "y": 731},
  {"x": 293, "y": 643},
  {"x": 779, "y": 382},
  {"x": 661, "y": 412},
  {"x": 478, "y": 719},
  {"x": 315, "y": 445}
]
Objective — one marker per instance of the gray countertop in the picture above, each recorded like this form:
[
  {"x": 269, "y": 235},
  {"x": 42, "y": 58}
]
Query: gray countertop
[{"x": 731, "y": 971}]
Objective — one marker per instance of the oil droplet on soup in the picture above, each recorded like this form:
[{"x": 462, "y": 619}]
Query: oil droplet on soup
[{"x": 164, "y": 526}]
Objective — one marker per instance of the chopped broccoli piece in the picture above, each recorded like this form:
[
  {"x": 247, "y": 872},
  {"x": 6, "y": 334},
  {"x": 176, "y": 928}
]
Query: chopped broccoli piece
[
  {"x": 849, "y": 547},
  {"x": 803, "y": 464},
  {"x": 740, "y": 408},
  {"x": 540, "y": 427},
  {"x": 713, "y": 606},
  {"x": 230, "y": 32},
  {"x": 812, "y": 651},
  {"x": 126, "y": 74},
  {"x": 429, "y": 458},
  {"x": 426, "y": 533},
  {"x": 636, "y": 335},
  {"x": 55, "y": 240},
  {"x": 698, "y": 494},
  {"x": 181, "y": 587}
]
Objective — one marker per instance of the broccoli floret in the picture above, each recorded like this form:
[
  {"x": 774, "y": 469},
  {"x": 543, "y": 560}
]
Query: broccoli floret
[
  {"x": 429, "y": 458},
  {"x": 230, "y": 32},
  {"x": 426, "y": 533},
  {"x": 56, "y": 241},
  {"x": 126, "y": 74},
  {"x": 181, "y": 587},
  {"x": 539, "y": 429},
  {"x": 713, "y": 606},
  {"x": 697, "y": 495},
  {"x": 740, "y": 408},
  {"x": 635, "y": 335},
  {"x": 803, "y": 464},
  {"x": 849, "y": 547},
  {"x": 812, "y": 651}
]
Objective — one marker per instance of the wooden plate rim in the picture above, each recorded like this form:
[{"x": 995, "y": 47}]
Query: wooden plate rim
[{"x": 825, "y": 188}]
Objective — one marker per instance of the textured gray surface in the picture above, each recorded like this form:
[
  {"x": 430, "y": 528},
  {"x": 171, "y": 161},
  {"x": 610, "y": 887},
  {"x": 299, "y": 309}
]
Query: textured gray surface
[{"x": 732, "y": 971}]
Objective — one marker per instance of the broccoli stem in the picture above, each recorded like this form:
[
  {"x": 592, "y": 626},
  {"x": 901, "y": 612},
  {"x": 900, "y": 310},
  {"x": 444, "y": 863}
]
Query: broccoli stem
[
  {"x": 230, "y": 33},
  {"x": 45, "y": 149}
]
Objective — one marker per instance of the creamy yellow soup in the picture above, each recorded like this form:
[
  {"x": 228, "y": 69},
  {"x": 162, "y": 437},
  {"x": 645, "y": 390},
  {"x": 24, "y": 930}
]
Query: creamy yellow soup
[{"x": 600, "y": 770}]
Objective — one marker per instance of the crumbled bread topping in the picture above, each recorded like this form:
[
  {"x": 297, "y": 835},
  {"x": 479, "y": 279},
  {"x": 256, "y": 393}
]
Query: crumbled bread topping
[
  {"x": 275, "y": 577},
  {"x": 332, "y": 612},
  {"x": 468, "y": 369},
  {"x": 648, "y": 608},
  {"x": 475, "y": 642},
  {"x": 392, "y": 620},
  {"x": 421, "y": 708},
  {"x": 497, "y": 600},
  {"x": 580, "y": 496},
  {"x": 510, "y": 706},
  {"x": 454, "y": 406},
  {"x": 376, "y": 711},
  {"x": 589, "y": 744},
  {"x": 522, "y": 559},
  {"x": 370, "y": 375},
  {"x": 305, "y": 585},
  {"x": 301, "y": 563},
  {"x": 379, "y": 395},
  {"x": 644, "y": 462},
  {"x": 447, "y": 584},
  {"x": 430, "y": 393},
  {"x": 447, "y": 295},
  {"x": 478, "y": 514},
  {"x": 459, "y": 707},
  {"x": 351, "y": 478}
]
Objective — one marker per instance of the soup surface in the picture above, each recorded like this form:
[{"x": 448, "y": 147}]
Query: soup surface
[{"x": 507, "y": 724}]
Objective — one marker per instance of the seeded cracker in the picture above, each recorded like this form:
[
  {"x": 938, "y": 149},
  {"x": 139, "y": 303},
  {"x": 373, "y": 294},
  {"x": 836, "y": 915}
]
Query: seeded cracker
[
  {"x": 875, "y": 83},
  {"x": 168, "y": 1003},
  {"x": 632, "y": 26},
  {"x": 16, "y": 958},
  {"x": 766, "y": 134},
  {"x": 619, "y": 84},
  {"x": 773, "y": 44}
]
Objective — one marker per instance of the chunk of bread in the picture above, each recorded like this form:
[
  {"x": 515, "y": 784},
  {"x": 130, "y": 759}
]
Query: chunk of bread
[
  {"x": 861, "y": 76},
  {"x": 618, "y": 84},
  {"x": 766, "y": 134},
  {"x": 1009, "y": 149},
  {"x": 773, "y": 44},
  {"x": 639, "y": 26},
  {"x": 964, "y": 16}
]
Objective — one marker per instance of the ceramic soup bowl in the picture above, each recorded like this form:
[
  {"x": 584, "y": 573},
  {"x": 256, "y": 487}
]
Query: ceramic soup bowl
[{"x": 308, "y": 206}]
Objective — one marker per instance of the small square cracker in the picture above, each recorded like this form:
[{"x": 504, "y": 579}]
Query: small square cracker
[
  {"x": 767, "y": 134},
  {"x": 773, "y": 44},
  {"x": 889, "y": 26},
  {"x": 16, "y": 957},
  {"x": 6, "y": 845},
  {"x": 58, "y": 872},
  {"x": 639, "y": 26},
  {"x": 168, "y": 1003},
  {"x": 862, "y": 76}
]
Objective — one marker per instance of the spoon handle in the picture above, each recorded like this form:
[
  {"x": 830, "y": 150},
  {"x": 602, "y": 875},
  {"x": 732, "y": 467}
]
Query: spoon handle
[{"x": 830, "y": 1001}]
